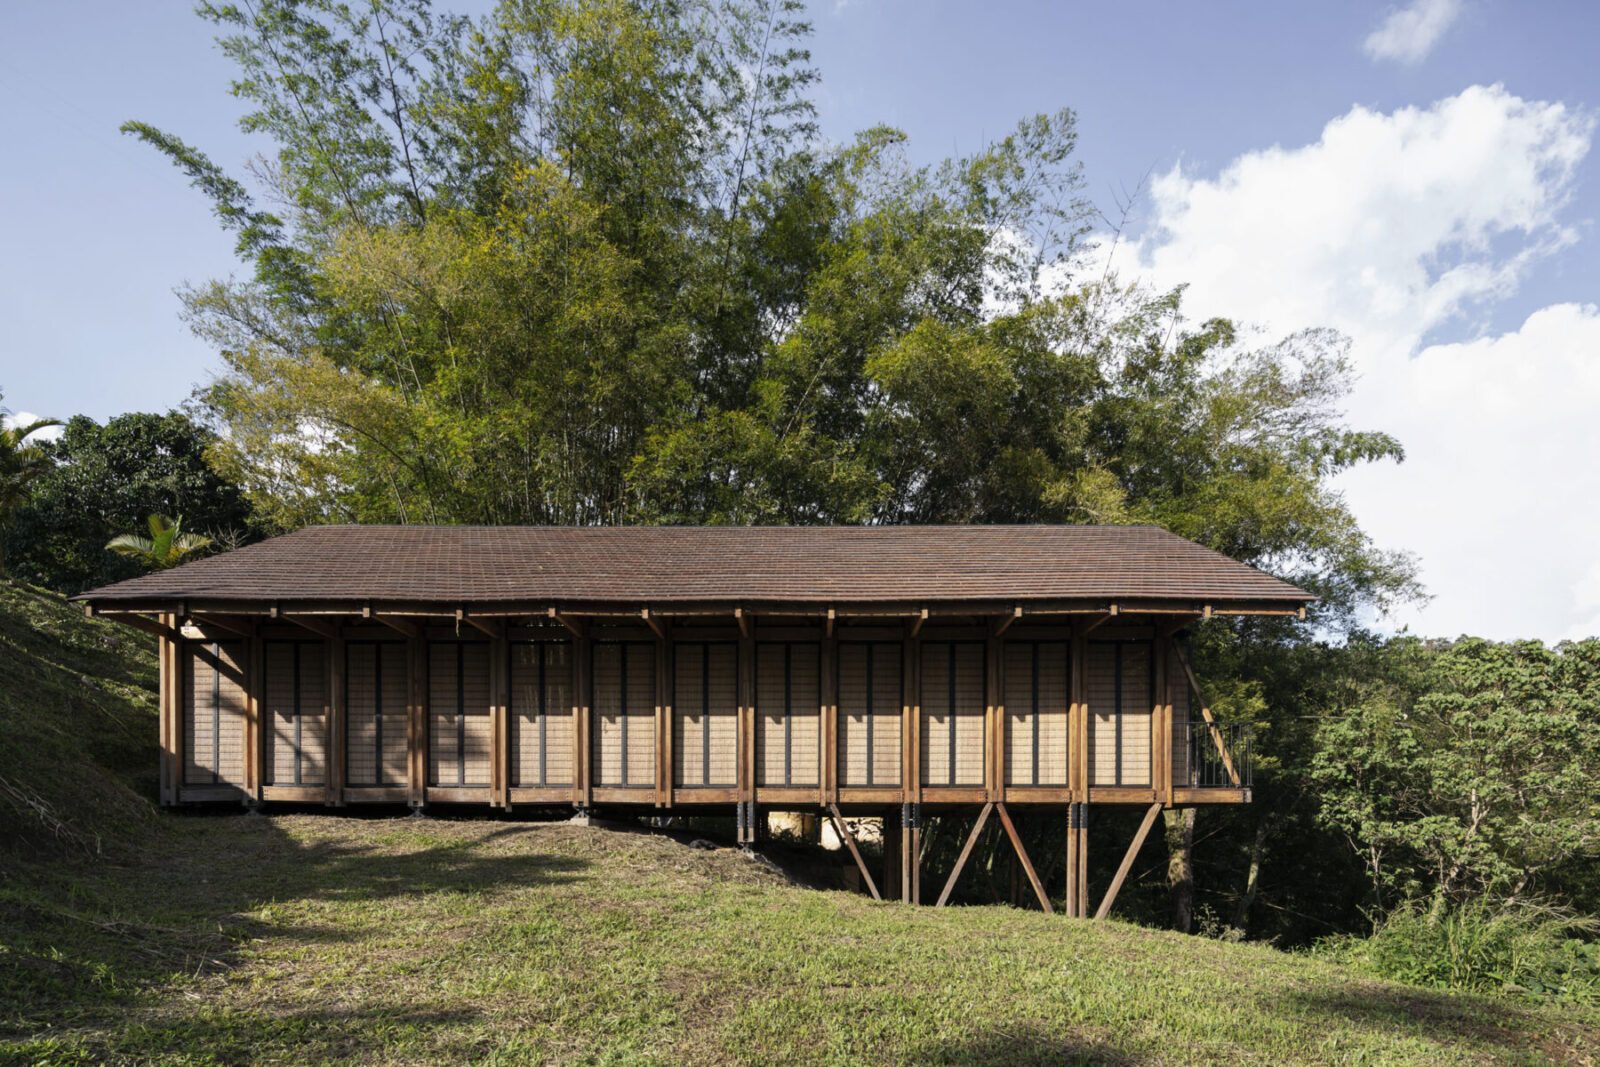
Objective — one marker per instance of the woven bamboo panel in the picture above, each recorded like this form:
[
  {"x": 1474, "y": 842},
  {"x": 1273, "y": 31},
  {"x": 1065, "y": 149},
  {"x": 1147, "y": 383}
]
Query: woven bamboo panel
[
  {"x": 1119, "y": 712},
  {"x": 624, "y": 713},
  {"x": 1037, "y": 695},
  {"x": 953, "y": 708},
  {"x": 375, "y": 713},
  {"x": 869, "y": 713},
  {"x": 296, "y": 712},
  {"x": 459, "y": 724},
  {"x": 788, "y": 714},
  {"x": 705, "y": 713},
  {"x": 214, "y": 714},
  {"x": 541, "y": 713}
]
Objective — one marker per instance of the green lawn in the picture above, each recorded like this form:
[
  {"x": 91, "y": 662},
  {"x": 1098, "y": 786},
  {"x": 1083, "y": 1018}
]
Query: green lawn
[{"x": 294, "y": 939}]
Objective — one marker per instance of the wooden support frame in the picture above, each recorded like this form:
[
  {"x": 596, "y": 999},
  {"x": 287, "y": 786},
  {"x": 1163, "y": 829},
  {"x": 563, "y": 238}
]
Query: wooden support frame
[
  {"x": 400, "y": 626},
  {"x": 500, "y": 719},
  {"x": 1022, "y": 857},
  {"x": 216, "y": 622},
  {"x": 849, "y": 839},
  {"x": 1005, "y": 624},
  {"x": 325, "y": 630},
  {"x": 494, "y": 629},
  {"x": 337, "y": 737},
  {"x": 966, "y": 850},
  {"x": 1127, "y": 861},
  {"x": 566, "y": 621},
  {"x": 417, "y": 721},
  {"x": 1205, "y": 712},
  {"x": 139, "y": 622},
  {"x": 654, "y": 623}
]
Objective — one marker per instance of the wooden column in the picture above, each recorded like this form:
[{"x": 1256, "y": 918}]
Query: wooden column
[
  {"x": 664, "y": 711},
  {"x": 830, "y": 719},
  {"x": 911, "y": 714},
  {"x": 583, "y": 767},
  {"x": 166, "y": 653},
  {"x": 1079, "y": 770},
  {"x": 994, "y": 718},
  {"x": 336, "y": 719},
  {"x": 747, "y": 719},
  {"x": 1161, "y": 725},
  {"x": 417, "y": 721},
  {"x": 255, "y": 747},
  {"x": 500, "y": 720},
  {"x": 893, "y": 847}
]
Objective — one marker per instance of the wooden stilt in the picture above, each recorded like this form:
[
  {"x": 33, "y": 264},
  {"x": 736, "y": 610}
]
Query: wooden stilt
[
  {"x": 1072, "y": 860},
  {"x": 1022, "y": 857},
  {"x": 966, "y": 850},
  {"x": 1083, "y": 861},
  {"x": 893, "y": 835},
  {"x": 850, "y": 842},
  {"x": 914, "y": 851},
  {"x": 1127, "y": 861}
]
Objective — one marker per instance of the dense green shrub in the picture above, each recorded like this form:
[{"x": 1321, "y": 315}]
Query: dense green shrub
[{"x": 1530, "y": 950}]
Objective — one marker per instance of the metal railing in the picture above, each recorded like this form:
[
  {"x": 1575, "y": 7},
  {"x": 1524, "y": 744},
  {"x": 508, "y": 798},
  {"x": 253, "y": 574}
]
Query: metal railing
[{"x": 1212, "y": 755}]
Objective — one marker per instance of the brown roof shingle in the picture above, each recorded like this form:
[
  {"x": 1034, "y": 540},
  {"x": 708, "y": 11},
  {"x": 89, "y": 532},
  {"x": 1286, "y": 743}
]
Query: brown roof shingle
[{"x": 662, "y": 564}]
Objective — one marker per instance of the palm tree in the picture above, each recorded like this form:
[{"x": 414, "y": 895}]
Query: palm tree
[
  {"x": 167, "y": 545},
  {"x": 20, "y": 464}
]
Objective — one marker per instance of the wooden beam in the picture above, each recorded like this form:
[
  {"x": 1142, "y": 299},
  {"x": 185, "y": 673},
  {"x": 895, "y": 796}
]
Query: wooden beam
[
  {"x": 316, "y": 626},
  {"x": 743, "y": 620},
  {"x": 966, "y": 850},
  {"x": 916, "y": 625},
  {"x": 149, "y": 626},
  {"x": 1127, "y": 861},
  {"x": 1022, "y": 855},
  {"x": 410, "y": 629},
  {"x": 1101, "y": 621},
  {"x": 1205, "y": 712},
  {"x": 850, "y": 841},
  {"x": 492, "y": 628},
  {"x": 567, "y": 622},
  {"x": 828, "y": 632},
  {"x": 1016, "y": 613},
  {"x": 653, "y": 623},
  {"x": 242, "y": 629}
]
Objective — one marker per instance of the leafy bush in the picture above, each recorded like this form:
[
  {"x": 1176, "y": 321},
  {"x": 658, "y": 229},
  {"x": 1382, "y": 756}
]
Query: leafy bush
[{"x": 1532, "y": 951}]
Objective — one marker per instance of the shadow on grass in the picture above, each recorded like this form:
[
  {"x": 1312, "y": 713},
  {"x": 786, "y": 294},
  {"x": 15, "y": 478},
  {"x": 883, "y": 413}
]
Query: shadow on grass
[
  {"x": 418, "y": 1033},
  {"x": 1023, "y": 1046},
  {"x": 1451, "y": 1018},
  {"x": 81, "y": 937}
]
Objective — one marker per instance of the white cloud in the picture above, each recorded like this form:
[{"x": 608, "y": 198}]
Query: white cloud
[
  {"x": 1390, "y": 228},
  {"x": 1409, "y": 33},
  {"x": 22, "y": 418}
]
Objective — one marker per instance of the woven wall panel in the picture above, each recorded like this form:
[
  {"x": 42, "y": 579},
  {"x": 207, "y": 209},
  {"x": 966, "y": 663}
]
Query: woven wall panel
[
  {"x": 1119, "y": 716},
  {"x": 869, "y": 713},
  {"x": 1038, "y": 700},
  {"x": 953, "y": 709},
  {"x": 624, "y": 713},
  {"x": 541, "y": 713},
  {"x": 375, "y": 713},
  {"x": 788, "y": 714},
  {"x": 214, "y": 714},
  {"x": 296, "y": 711},
  {"x": 459, "y": 723},
  {"x": 705, "y": 714}
]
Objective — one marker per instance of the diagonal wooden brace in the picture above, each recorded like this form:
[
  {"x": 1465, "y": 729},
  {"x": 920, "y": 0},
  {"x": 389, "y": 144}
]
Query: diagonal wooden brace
[
  {"x": 1216, "y": 734},
  {"x": 966, "y": 850},
  {"x": 1127, "y": 861},
  {"x": 850, "y": 842},
  {"x": 1022, "y": 854}
]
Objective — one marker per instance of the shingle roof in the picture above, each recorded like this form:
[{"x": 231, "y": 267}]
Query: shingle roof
[{"x": 664, "y": 564}]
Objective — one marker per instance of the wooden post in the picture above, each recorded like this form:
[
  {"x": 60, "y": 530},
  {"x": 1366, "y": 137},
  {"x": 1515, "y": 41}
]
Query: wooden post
[
  {"x": 166, "y": 657},
  {"x": 747, "y": 719},
  {"x": 994, "y": 718},
  {"x": 911, "y": 713},
  {"x": 914, "y": 854},
  {"x": 335, "y": 720},
  {"x": 830, "y": 717},
  {"x": 1161, "y": 726},
  {"x": 416, "y": 722},
  {"x": 1127, "y": 861},
  {"x": 500, "y": 720},
  {"x": 1078, "y": 770},
  {"x": 1072, "y": 859},
  {"x": 255, "y": 673},
  {"x": 966, "y": 850},
  {"x": 893, "y": 847},
  {"x": 583, "y": 766},
  {"x": 664, "y": 711}
]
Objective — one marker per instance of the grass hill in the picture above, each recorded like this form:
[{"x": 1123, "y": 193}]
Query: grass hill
[
  {"x": 78, "y": 728},
  {"x": 224, "y": 938}
]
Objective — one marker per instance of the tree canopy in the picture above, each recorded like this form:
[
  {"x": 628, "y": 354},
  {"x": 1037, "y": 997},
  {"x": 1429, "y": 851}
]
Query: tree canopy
[{"x": 590, "y": 261}]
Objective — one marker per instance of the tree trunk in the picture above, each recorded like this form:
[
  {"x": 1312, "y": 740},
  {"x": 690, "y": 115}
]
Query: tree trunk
[
  {"x": 1180, "y": 866},
  {"x": 1252, "y": 880}
]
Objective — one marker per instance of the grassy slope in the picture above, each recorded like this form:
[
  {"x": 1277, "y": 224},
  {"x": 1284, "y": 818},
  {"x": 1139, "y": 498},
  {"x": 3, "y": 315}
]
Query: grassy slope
[
  {"x": 232, "y": 939},
  {"x": 77, "y": 726},
  {"x": 313, "y": 938}
]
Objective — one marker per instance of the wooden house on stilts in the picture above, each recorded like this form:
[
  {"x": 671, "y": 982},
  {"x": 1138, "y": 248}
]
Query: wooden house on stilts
[{"x": 885, "y": 671}]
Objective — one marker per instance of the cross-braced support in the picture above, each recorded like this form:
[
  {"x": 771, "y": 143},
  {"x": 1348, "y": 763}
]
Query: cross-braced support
[{"x": 1127, "y": 861}]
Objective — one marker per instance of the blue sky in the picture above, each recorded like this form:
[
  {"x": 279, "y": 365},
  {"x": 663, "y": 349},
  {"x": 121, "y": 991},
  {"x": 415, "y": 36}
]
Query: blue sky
[{"x": 1418, "y": 175}]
